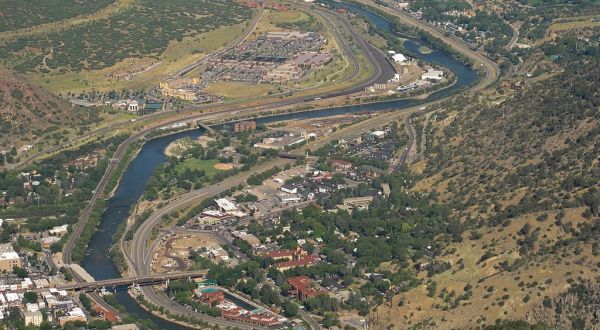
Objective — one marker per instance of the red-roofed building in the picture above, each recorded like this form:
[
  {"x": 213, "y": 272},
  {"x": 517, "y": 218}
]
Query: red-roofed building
[
  {"x": 303, "y": 287},
  {"x": 304, "y": 261},
  {"x": 285, "y": 254},
  {"x": 106, "y": 314},
  {"x": 210, "y": 297},
  {"x": 322, "y": 176}
]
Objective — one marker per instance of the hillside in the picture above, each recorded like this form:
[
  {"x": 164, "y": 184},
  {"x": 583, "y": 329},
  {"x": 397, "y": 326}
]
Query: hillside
[
  {"x": 28, "y": 112},
  {"x": 21, "y": 14},
  {"x": 522, "y": 174}
]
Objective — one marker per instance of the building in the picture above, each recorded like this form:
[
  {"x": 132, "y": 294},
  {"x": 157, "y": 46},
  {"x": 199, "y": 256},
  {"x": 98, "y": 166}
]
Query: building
[
  {"x": 377, "y": 134},
  {"x": 306, "y": 261},
  {"x": 179, "y": 93},
  {"x": 399, "y": 58},
  {"x": 133, "y": 106},
  {"x": 433, "y": 75},
  {"x": 109, "y": 316},
  {"x": 341, "y": 165},
  {"x": 303, "y": 288},
  {"x": 290, "y": 189},
  {"x": 59, "y": 230},
  {"x": 280, "y": 255},
  {"x": 8, "y": 258},
  {"x": 386, "y": 189},
  {"x": 225, "y": 205},
  {"x": 210, "y": 297},
  {"x": 47, "y": 242},
  {"x": 370, "y": 171},
  {"x": 244, "y": 126},
  {"x": 34, "y": 318},
  {"x": 251, "y": 239},
  {"x": 74, "y": 315},
  {"x": 359, "y": 203}
]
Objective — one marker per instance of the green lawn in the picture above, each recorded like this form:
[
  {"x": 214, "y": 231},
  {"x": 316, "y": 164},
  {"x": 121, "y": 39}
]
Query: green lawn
[{"x": 199, "y": 164}]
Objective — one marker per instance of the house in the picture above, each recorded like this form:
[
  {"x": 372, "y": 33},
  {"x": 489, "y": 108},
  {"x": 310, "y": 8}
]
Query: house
[{"x": 303, "y": 288}]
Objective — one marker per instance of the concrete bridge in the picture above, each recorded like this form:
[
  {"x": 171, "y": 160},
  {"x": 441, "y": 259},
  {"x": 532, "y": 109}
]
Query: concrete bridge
[
  {"x": 141, "y": 280},
  {"x": 207, "y": 128}
]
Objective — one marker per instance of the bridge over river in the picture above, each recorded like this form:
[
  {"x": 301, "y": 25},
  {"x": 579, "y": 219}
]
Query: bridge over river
[{"x": 141, "y": 280}]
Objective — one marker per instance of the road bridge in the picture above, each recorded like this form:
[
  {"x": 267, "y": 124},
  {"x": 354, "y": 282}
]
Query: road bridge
[{"x": 138, "y": 280}]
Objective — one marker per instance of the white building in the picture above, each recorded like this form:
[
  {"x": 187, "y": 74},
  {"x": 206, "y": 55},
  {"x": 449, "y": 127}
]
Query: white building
[
  {"x": 433, "y": 75},
  {"x": 395, "y": 79},
  {"x": 378, "y": 134},
  {"x": 399, "y": 58},
  {"x": 225, "y": 205},
  {"x": 59, "y": 230},
  {"x": 290, "y": 189},
  {"x": 133, "y": 106}
]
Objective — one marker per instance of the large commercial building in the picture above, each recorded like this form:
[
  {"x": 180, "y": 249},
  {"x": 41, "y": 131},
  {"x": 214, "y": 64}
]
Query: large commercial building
[{"x": 8, "y": 258}]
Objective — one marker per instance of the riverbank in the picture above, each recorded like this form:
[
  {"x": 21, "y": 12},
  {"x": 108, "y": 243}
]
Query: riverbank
[{"x": 131, "y": 186}]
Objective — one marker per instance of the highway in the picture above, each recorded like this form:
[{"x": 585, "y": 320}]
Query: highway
[
  {"x": 78, "y": 228},
  {"x": 378, "y": 60},
  {"x": 140, "y": 238},
  {"x": 122, "y": 148},
  {"x": 140, "y": 259},
  {"x": 491, "y": 69}
]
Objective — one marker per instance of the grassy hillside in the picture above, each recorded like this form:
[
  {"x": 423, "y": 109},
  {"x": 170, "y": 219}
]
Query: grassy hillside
[
  {"x": 28, "y": 113},
  {"x": 16, "y": 14},
  {"x": 522, "y": 174},
  {"x": 143, "y": 29}
]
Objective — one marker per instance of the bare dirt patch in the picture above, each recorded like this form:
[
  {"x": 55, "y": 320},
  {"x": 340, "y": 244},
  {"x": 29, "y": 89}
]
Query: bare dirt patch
[{"x": 223, "y": 166}]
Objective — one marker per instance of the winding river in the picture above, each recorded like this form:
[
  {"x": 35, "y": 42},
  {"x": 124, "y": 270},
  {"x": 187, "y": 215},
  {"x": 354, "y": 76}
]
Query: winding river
[{"x": 131, "y": 187}]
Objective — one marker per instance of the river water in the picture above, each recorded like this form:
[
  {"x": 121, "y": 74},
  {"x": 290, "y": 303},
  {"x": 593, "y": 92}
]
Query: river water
[{"x": 131, "y": 187}]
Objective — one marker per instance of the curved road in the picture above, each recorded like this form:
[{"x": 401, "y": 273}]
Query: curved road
[
  {"x": 78, "y": 228},
  {"x": 140, "y": 259},
  {"x": 491, "y": 73}
]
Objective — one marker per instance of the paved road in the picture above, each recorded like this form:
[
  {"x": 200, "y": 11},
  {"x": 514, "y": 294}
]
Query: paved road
[
  {"x": 242, "y": 107},
  {"x": 238, "y": 41},
  {"x": 514, "y": 38},
  {"x": 491, "y": 69},
  {"x": 138, "y": 250}
]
